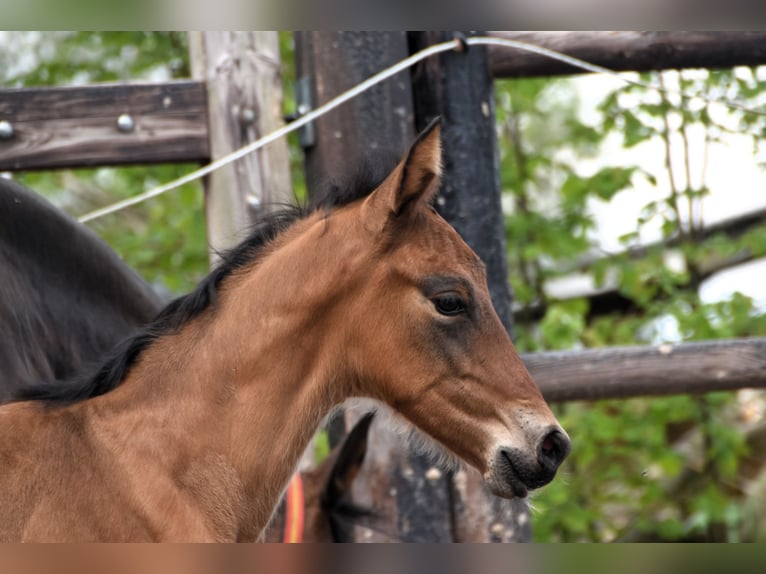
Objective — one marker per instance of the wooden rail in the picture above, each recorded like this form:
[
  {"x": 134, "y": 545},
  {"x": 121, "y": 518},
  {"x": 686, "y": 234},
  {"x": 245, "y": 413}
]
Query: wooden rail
[
  {"x": 626, "y": 372},
  {"x": 78, "y": 126},
  {"x": 628, "y": 51}
]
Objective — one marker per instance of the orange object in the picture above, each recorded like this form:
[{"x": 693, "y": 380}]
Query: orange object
[{"x": 295, "y": 510}]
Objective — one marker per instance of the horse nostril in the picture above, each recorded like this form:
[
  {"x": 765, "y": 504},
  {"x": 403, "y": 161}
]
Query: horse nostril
[{"x": 553, "y": 449}]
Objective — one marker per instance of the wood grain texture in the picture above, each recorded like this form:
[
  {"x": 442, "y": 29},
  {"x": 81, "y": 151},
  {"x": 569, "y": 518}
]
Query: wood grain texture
[
  {"x": 242, "y": 73},
  {"x": 77, "y": 126},
  {"x": 625, "y": 372},
  {"x": 379, "y": 121},
  {"x": 628, "y": 51}
]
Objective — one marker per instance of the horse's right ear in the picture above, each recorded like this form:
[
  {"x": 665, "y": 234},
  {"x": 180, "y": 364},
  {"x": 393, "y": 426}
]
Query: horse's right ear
[{"x": 415, "y": 180}]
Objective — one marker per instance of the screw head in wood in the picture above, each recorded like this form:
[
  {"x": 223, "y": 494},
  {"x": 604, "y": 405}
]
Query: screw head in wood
[
  {"x": 6, "y": 130},
  {"x": 247, "y": 116},
  {"x": 125, "y": 123}
]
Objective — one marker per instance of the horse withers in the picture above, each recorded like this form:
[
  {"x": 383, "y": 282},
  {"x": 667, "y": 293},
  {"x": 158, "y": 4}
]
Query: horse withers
[{"x": 192, "y": 429}]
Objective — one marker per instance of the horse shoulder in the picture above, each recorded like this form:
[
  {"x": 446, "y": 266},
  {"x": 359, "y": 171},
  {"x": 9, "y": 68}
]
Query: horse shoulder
[
  {"x": 181, "y": 491},
  {"x": 36, "y": 469}
]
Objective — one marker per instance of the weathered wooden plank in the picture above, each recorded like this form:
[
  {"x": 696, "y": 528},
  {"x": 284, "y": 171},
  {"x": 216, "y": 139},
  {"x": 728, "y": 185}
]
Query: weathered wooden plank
[
  {"x": 458, "y": 87},
  {"x": 78, "y": 126},
  {"x": 623, "y": 51},
  {"x": 378, "y": 121},
  {"x": 625, "y": 372},
  {"x": 242, "y": 73}
]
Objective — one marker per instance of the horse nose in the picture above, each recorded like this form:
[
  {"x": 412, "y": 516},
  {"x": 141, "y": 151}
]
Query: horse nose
[{"x": 552, "y": 449}]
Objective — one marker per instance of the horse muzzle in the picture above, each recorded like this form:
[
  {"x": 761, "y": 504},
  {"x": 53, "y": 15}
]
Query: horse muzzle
[{"x": 514, "y": 472}]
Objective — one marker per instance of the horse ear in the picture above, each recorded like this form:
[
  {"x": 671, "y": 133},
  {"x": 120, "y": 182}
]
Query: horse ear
[
  {"x": 421, "y": 169},
  {"x": 416, "y": 179},
  {"x": 348, "y": 462}
]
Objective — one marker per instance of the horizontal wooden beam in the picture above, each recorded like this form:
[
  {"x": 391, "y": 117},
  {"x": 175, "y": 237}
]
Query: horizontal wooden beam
[
  {"x": 628, "y": 51},
  {"x": 78, "y": 126},
  {"x": 626, "y": 372}
]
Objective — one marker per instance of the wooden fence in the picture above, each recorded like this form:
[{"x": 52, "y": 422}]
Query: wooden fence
[{"x": 235, "y": 97}]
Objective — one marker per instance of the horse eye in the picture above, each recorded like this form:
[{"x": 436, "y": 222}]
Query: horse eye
[{"x": 449, "y": 304}]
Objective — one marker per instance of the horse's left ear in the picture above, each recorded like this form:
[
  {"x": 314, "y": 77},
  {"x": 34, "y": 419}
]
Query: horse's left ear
[
  {"x": 348, "y": 462},
  {"x": 416, "y": 179},
  {"x": 421, "y": 169}
]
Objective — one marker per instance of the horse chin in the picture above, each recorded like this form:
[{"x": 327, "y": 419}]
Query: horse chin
[
  {"x": 506, "y": 487},
  {"x": 502, "y": 479}
]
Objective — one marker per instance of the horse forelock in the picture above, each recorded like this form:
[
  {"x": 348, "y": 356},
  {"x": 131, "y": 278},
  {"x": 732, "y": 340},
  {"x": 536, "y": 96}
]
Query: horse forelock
[{"x": 110, "y": 373}]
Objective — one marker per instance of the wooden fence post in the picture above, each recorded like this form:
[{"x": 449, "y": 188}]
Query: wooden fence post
[
  {"x": 244, "y": 93},
  {"x": 458, "y": 87},
  {"x": 412, "y": 503}
]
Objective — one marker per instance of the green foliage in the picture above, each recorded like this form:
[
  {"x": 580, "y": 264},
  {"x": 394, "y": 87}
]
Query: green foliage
[
  {"x": 563, "y": 324},
  {"x": 548, "y": 192},
  {"x": 654, "y": 468},
  {"x": 63, "y": 58},
  {"x": 321, "y": 446},
  {"x": 297, "y": 173}
]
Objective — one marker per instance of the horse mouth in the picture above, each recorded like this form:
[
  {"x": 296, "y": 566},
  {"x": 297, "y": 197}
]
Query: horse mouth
[{"x": 519, "y": 489}]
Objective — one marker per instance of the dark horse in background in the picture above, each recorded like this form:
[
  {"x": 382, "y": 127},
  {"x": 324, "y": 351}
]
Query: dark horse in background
[{"x": 66, "y": 298}]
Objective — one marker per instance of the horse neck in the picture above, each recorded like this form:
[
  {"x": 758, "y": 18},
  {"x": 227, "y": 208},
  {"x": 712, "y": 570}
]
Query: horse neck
[{"x": 248, "y": 381}]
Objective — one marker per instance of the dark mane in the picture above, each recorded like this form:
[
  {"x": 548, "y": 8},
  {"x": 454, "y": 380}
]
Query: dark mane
[{"x": 117, "y": 364}]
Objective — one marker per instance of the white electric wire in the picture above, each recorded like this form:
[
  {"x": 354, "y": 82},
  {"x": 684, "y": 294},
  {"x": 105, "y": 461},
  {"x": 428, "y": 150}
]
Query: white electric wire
[{"x": 284, "y": 130}]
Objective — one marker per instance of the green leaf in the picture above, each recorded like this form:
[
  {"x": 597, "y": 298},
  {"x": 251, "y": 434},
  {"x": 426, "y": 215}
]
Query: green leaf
[{"x": 635, "y": 131}]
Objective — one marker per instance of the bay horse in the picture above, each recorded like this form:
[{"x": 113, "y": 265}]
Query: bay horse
[
  {"x": 66, "y": 298},
  {"x": 191, "y": 429}
]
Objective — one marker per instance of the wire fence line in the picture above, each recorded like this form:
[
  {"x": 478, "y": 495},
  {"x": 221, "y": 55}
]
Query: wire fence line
[{"x": 458, "y": 44}]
